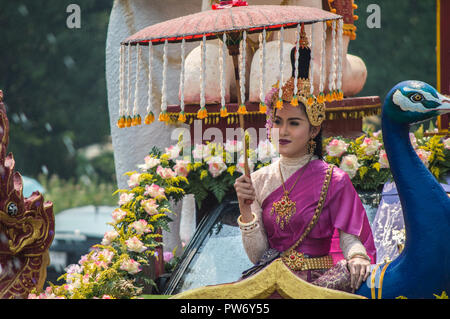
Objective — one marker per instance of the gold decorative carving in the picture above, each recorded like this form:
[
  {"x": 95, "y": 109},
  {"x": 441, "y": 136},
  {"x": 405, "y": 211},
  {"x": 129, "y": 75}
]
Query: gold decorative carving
[
  {"x": 27, "y": 227},
  {"x": 275, "y": 278}
]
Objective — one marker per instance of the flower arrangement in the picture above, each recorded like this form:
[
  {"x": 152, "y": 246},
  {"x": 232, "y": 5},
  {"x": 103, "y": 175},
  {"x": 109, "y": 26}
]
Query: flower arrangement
[
  {"x": 215, "y": 167},
  {"x": 365, "y": 160},
  {"x": 113, "y": 269}
]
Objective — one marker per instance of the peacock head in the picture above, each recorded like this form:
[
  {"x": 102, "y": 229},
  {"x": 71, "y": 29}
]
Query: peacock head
[{"x": 414, "y": 101}]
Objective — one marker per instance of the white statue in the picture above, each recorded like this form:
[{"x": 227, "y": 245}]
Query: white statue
[{"x": 132, "y": 144}]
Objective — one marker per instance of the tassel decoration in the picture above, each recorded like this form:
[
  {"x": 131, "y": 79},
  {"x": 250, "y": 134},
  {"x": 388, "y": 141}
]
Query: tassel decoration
[
  {"x": 223, "y": 111},
  {"x": 242, "y": 109},
  {"x": 150, "y": 118}
]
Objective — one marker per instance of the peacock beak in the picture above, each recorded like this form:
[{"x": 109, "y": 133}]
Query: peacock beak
[{"x": 445, "y": 103}]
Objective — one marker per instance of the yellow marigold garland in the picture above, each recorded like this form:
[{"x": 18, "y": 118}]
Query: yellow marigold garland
[
  {"x": 294, "y": 101},
  {"x": 223, "y": 111},
  {"x": 279, "y": 104},
  {"x": 202, "y": 113},
  {"x": 149, "y": 118},
  {"x": 262, "y": 107},
  {"x": 182, "y": 117},
  {"x": 242, "y": 109}
]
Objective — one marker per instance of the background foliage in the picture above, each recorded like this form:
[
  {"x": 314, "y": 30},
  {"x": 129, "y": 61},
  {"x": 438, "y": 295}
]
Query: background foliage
[
  {"x": 54, "y": 82},
  {"x": 404, "y": 48},
  {"x": 53, "y": 77}
]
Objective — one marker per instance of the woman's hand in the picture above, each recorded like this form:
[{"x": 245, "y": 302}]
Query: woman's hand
[
  {"x": 246, "y": 195},
  {"x": 359, "y": 268}
]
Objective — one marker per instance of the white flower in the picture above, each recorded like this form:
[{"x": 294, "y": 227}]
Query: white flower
[
  {"x": 131, "y": 266},
  {"x": 173, "y": 151},
  {"x": 134, "y": 244},
  {"x": 154, "y": 190},
  {"x": 447, "y": 143},
  {"x": 377, "y": 133},
  {"x": 118, "y": 215},
  {"x": 74, "y": 269},
  {"x": 370, "y": 145},
  {"x": 150, "y": 162},
  {"x": 266, "y": 151},
  {"x": 125, "y": 198},
  {"x": 165, "y": 172},
  {"x": 240, "y": 165},
  {"x": 336, "y": 147},
  {"x": 383, "y": 160},
  {"x": 133, "y": 181},
  {"x": 350, "y": 165},
  {"x": 140, "y": 226},
  {"x": 233, "y": 146},
  {"x": 216, "y": 166},
  {"x": 181, "y": 168},
  {"x": 424, "y": 156},
  {"x": 150, "y": 206},
  {"x": 106, "y": 256},
  {"x": 109, "y": 237},
  {"x": 198, "y": 151}
]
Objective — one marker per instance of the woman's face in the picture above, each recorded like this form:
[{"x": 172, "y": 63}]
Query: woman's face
[{"x": 295, "y": 131}]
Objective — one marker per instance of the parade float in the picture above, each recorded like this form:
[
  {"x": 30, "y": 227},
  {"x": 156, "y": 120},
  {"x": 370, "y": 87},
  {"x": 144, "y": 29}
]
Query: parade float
[{"x": 116, "y": 268}]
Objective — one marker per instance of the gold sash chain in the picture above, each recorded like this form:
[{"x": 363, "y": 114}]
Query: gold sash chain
[{"x": 292, "y": 258}]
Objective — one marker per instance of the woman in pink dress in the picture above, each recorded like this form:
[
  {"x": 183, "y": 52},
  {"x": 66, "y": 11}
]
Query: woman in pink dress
[{"x": 336, "y": 250}]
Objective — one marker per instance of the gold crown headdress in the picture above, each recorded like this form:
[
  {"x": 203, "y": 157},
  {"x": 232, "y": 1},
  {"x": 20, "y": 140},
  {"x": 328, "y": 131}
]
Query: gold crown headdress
[{"x": 300, "y": 60}]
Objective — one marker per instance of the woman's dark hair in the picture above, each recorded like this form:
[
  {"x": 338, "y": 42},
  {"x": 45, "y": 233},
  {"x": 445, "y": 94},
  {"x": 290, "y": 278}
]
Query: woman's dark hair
[{"x": 318, "y": 150}]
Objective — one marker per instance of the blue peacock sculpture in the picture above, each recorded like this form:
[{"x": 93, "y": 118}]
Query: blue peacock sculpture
[{"x": 423, "y": 267}]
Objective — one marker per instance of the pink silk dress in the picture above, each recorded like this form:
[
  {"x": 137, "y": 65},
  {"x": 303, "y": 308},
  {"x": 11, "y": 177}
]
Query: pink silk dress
[{"x": 342, "y": 210}]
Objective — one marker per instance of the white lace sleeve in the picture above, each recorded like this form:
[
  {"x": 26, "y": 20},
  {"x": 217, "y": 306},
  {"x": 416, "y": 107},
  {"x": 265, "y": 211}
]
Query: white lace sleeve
[
  {"x": 254, "y": 238},
  {"x": 351, "y": 245}
]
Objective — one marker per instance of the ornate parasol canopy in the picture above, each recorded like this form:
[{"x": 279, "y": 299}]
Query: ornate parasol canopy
[
  {"x": 231, "y": 22},
  {"x": 237, "y": 18}
]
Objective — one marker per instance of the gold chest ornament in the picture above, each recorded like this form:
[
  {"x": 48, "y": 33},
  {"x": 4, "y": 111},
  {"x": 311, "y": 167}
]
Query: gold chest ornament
[{"x": 285, "y": 208}]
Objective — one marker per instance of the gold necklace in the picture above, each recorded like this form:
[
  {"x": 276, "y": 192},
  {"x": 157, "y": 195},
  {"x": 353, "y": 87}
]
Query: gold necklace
[{"x": 285, "y": 207}]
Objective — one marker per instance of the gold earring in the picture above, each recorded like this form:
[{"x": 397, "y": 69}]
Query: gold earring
[{"x": 311, "y": 146}]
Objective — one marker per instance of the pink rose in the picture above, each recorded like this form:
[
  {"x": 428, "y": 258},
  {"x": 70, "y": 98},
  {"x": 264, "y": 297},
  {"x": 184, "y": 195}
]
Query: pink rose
[
  {"x": 413, "y": 140},
  {"x": 370, "y": 145},
  {"x": 154, "y": 191},
  {"x": 140, "y": 226},
  {"x": 167, "y": 255},
  {"x": 150, "y": 162},
  {"x": 118, "y": 215},
  {"x": 424, "y": 156},
  {"x": 240, "y": 165},
  {"x": 134, "y": 244},
  {"x": 165, "y": 172},
  {"x": 150, "y": 206},
  {"x": 266, "y": 151},
  {"x": 133, "y": 181},
  {"x": 216, "y": 166},
  {"x": 131, "y": 266},
  {"x": 383, "y": 160},
  {"x": 447, "y": 143},
  {"x": 125, "y": 198},
  {"x": 350, "y": 165},
  {"x": 336, "y": 148},
  {"x": 173, "y": 151},
  {"x": 181, "y": 168},
  {"x": 109, "y": 237}
]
